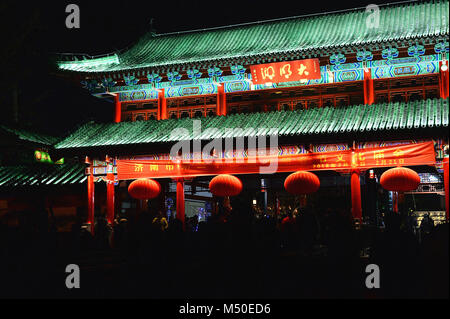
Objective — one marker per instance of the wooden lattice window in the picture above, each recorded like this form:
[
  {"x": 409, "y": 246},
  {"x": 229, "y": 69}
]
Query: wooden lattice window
[
  {"x": 139, "y": 117},
  {"x": 198, "y": 114}
]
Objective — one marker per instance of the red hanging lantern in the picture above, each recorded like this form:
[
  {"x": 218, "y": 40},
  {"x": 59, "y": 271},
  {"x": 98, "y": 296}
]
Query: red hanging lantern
[
  {"x": 400, "y": 179},
  {"x": 302, "y": 182},
  {"x": 225, "y": 185},
  {"x": 144, "y": 189}
]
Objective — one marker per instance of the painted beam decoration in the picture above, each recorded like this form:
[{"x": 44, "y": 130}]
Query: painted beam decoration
[
  {"x": 390, "y": 156},
  {"x": 389, "y": 68},
  {"x": 289, "y": 71}
]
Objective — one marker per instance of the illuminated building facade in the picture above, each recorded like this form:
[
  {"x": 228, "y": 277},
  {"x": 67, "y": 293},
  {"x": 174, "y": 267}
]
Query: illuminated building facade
[{"x": 368, "y": 90}]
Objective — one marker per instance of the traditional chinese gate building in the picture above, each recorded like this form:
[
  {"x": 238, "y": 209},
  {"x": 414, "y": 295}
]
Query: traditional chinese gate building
[{"x": 340, "y": 91}]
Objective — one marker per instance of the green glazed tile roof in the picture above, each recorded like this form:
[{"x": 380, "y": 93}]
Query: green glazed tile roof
[
  {"x": 29, "y": 136},
  {"x": 297, "y": 34},
  {"x": 333, "y": 121},
  {"x": 42, "y": 174}
]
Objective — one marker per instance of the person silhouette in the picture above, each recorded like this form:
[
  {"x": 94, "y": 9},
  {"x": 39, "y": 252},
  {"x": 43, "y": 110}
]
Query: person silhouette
[{"x": 427, "y": 224}]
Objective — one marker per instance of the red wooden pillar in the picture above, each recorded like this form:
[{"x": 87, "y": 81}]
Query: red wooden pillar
[
  {"x": 369, "y": 95},
  {"x": 220, "y": 93},
  {"x": 356, "y": 195},
  {"x": 223, "y": 103},
  {"x": 443, "y": 79},
  {"x": 158, "y": 109},
  {"x": 162, "y": 105},
  {"x": 90, "y": 195},
  {"x": 445, "y": 162},
  {"x": 180, "y": 200},
  {"x": 110, "y": 192},
  {"x": 118, "y": 111}
]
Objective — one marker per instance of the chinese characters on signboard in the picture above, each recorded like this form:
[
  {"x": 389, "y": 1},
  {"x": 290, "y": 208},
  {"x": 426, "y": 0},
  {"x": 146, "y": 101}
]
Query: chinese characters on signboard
[
  {"x": 289, "y": 71},
  {"x": 404, "y": 155}
]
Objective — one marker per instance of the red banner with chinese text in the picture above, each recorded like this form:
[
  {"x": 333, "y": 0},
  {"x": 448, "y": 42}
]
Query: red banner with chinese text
[
  {"x": 308, "y": 69},
  {"x": 390, "y": 156}
]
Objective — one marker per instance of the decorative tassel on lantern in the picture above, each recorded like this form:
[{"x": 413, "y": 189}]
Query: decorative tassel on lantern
[
  {"x": 395, "y": 202},
  {"x": 303, "y": 200}
]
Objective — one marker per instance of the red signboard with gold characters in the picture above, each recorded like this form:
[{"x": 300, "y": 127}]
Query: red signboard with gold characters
[
  {"x": 288, "y": 71},
  {"x": 390, "y": 156}
]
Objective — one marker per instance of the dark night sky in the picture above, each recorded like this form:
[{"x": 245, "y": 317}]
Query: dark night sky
[
  {"x": 54, "y": 106},
  {"x": 110, "y": 25}
]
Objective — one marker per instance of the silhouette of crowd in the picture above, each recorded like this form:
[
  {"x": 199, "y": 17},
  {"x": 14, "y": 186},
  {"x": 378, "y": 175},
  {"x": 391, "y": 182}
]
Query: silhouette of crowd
[{"x": 240, "y": 251}]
